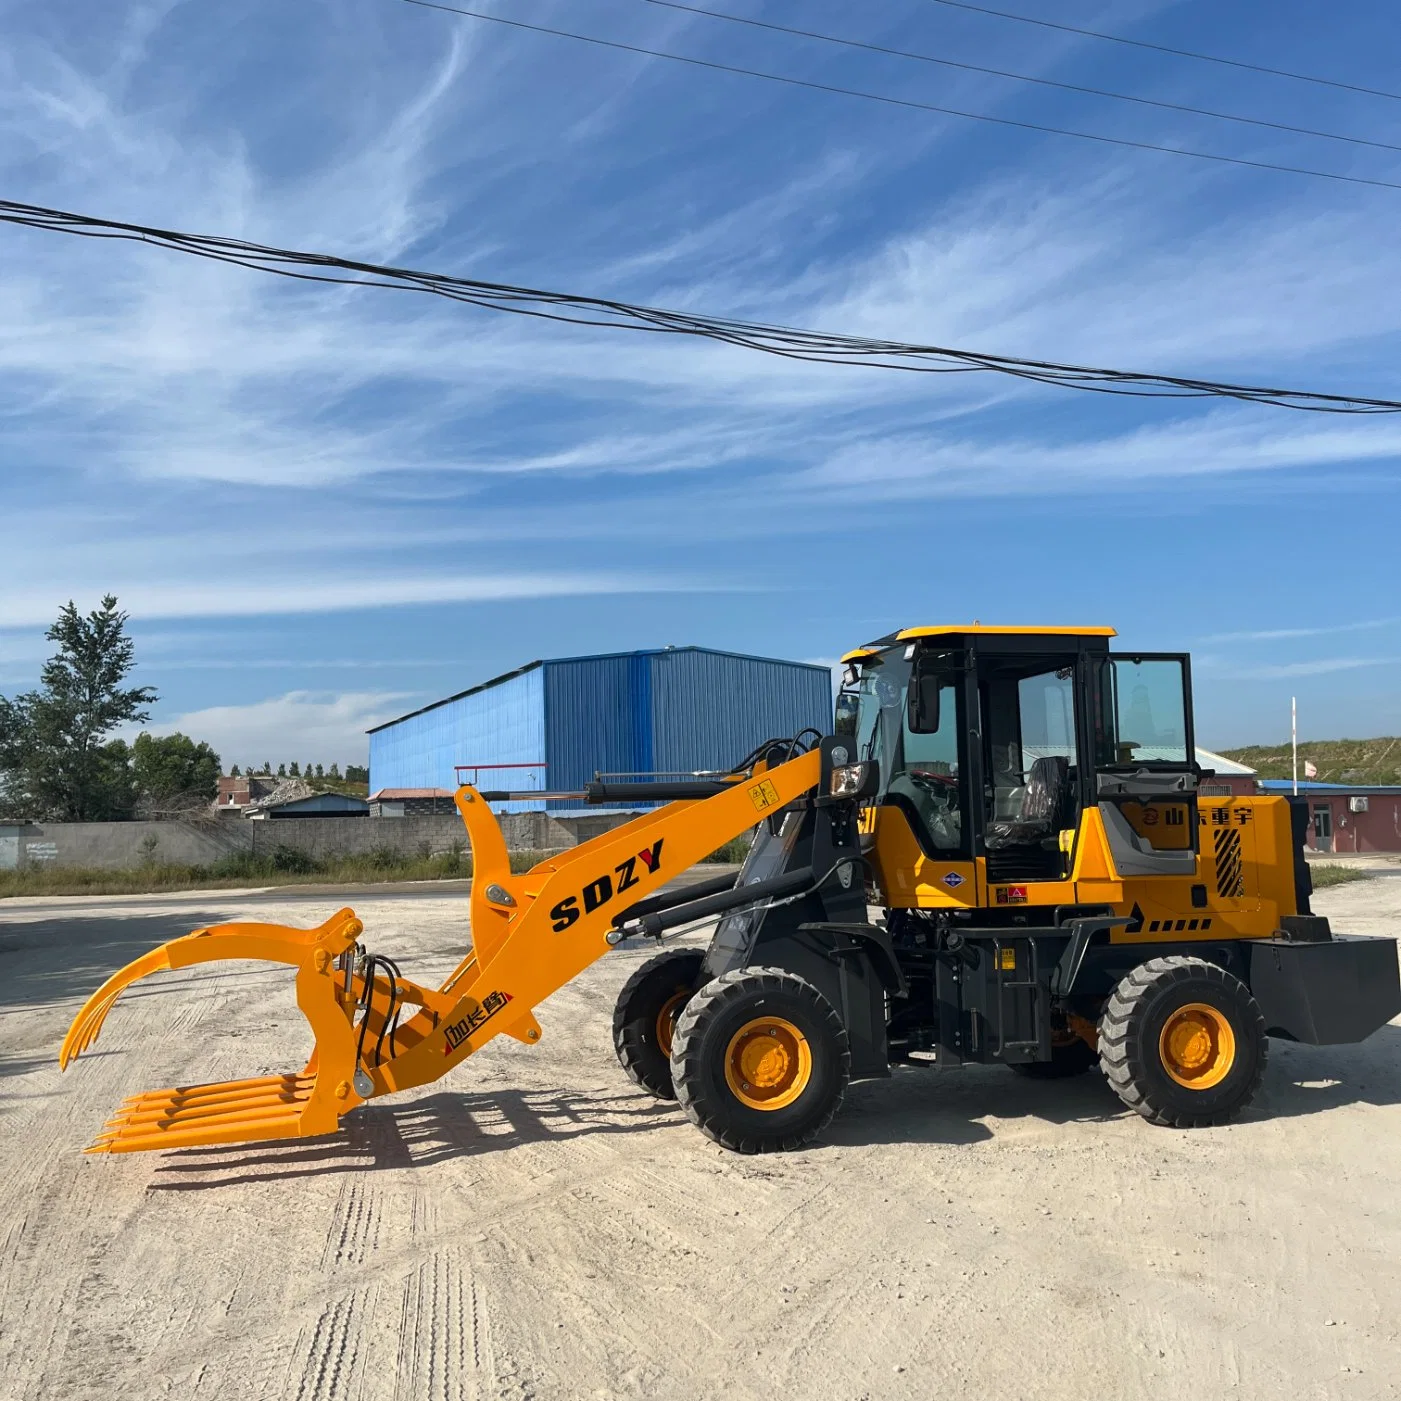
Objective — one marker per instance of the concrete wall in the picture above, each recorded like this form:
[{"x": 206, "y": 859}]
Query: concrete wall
[{"x": 120, "y": 845}]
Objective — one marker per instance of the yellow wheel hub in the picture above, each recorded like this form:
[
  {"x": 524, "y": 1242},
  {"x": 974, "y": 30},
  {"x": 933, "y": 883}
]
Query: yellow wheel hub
[
  {"x": 768, "y": 1063},
  {"x": 1197, "y": 1046},
  {"x": 666, "y": 1020}
]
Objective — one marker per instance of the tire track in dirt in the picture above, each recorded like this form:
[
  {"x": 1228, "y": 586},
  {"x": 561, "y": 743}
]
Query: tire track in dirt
[
  {"x": 329, "y": 1356},
  {"x": 354, "y": 1228},
  {"x": 444, "y": 1337}
]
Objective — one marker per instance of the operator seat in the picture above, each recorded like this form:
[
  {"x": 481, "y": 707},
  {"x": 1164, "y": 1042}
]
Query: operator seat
[{"x": 1043, "y": 803}]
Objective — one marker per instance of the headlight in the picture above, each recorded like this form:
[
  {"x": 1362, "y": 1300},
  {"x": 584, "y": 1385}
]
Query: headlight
[{"x": 850, "y": 781}]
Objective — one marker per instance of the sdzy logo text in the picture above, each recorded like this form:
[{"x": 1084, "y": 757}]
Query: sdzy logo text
[{"x": 599, "y": 892}]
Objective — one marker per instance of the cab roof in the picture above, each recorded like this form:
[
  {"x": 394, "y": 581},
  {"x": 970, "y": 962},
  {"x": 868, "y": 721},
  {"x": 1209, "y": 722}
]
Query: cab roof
[{"x": 974, "y": 629}]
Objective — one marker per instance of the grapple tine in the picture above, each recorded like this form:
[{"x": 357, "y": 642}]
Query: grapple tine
[
  {"x": 197, "y": 1094},
  {"x": 211, "y": 1108},
  {"x": 88, "y": 1023},
  {"x": 252, "y": 1131}
]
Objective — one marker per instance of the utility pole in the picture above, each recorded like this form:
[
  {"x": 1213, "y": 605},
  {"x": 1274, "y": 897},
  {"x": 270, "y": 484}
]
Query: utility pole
[{"x": 1294, "y": 738}]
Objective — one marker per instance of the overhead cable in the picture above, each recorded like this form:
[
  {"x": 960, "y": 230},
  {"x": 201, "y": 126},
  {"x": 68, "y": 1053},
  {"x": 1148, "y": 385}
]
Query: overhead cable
[
  {"x": 909, "y": 103},
  {"x": 1018, "y": 77},
  {"x": 1166, "y": 49},
  {"x": 785, "y": 341}
]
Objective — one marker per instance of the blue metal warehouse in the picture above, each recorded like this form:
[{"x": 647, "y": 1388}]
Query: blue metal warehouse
[{"x": 675, "y": 710}]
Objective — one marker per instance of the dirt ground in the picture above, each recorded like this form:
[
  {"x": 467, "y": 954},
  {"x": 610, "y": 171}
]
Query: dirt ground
[{"x": 534, "y": 1228}]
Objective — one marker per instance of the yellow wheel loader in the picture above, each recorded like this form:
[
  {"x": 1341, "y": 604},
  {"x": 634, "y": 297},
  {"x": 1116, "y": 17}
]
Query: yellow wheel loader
[{"x": 1058, "y": 885}]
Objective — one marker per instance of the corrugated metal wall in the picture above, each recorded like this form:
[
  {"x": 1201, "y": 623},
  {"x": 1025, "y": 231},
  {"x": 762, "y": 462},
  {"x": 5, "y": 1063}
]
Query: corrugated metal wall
[
  {"x": 501, "y": 724},
  {"x": 709, "y": 709},
  {"x": 597, "y": 719},
  {"x": 675, "y": 711}
]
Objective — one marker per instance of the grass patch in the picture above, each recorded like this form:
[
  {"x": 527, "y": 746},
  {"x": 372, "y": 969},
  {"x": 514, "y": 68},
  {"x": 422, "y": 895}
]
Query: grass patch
[
  {"x": 1325, "y": 875},
  {"x": 1362, "y": 761},
  {"x": 281, "y": 866}
]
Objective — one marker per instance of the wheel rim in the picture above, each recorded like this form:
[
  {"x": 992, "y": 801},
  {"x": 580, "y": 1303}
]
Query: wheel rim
[
  {"x": 1197, "y": 1046},
  {"x": 768, "y": 1063},
  {"x": 666, "y": 1019}
]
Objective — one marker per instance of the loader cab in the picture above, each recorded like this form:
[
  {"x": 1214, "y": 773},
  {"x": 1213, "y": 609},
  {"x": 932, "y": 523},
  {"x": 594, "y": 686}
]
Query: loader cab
[{"x": 992, "y": 743}]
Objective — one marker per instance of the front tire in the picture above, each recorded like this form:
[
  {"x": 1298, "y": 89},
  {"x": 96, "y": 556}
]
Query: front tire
[
  {"x": 1183, "y": 1043},
  {"x": 644, "y": 1017},
  {"x": 760, "y": 1060}
]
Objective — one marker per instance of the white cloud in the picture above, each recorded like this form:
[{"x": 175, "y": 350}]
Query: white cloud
[
  {"x": 301, "y": 593},
  {"x": 1323, "y": 666},
  {"x": 301, "y": 725},
  {"x": 1287, "y": 634}
]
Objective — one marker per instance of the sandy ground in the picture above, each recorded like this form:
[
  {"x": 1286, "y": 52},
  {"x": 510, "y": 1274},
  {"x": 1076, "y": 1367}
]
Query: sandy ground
[{"x": 533, "y": 1227}]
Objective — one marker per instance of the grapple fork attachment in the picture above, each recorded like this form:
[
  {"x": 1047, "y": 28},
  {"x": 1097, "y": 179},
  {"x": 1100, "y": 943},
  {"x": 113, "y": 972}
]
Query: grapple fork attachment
[
  {"x": 299, "y": 1105},
  {"x": 531, "y": 933}
]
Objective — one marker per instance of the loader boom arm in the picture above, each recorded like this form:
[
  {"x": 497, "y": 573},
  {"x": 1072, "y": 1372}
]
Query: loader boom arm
[{"x": 555, "y": 918}]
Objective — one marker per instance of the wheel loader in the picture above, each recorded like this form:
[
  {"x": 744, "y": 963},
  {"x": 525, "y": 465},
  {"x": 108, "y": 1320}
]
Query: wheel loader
[{"x": 1005, "y": 853}]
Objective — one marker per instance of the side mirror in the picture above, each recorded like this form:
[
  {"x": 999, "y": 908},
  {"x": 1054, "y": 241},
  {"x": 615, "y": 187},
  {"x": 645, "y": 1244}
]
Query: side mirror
[
  {"x": 922, "y": 702},
  {"x": 845, "y": 722}
]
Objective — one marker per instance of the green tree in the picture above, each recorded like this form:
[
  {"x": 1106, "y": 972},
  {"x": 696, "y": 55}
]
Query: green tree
[
  {"x": 319, "y": 774},
  {"x": 267, "y": 768},
  {"x": 295, "y": 771},
  {"x": 282, "y": 771},
  {"x": 56, "y": 762},
  {"x": 336, "y": 772},
  {"x": 233, "y": 772},
  {"x": 174, "y": 771},
  {"x": 354, "y": 773}
]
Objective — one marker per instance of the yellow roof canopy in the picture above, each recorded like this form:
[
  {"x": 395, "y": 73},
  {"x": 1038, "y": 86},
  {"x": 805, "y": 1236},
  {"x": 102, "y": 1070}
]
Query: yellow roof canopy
[
  {"x": 905, "y": 634},
  {"x": 949, "y": 629}
]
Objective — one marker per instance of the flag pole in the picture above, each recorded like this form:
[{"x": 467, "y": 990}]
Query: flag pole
[{"x": 1294, "y": 738}]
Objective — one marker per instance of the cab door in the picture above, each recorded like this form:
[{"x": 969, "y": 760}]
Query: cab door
[{"x": 1146, "y": 774}]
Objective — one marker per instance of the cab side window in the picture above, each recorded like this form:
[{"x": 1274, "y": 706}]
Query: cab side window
[{"x": 928, "y": 778}]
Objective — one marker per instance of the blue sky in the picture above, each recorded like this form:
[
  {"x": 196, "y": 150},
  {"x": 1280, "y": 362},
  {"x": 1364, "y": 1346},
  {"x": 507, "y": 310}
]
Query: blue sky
[{"x": 326, "y": 506}]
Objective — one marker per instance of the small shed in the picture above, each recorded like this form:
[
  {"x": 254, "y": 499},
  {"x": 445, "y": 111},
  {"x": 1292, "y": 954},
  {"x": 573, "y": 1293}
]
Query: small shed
[
  {"x": 411, "y": 802},
  {"x": 295, "y": 798},
  {"x": 1228, "y": 778}
]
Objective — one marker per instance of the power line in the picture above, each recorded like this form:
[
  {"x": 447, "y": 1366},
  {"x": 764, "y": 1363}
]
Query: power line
[
  {"x": 1165, "y": 49},
  {"x": 901, "y": 101},
  {"x": 1018, "y": 77},
  {"x": 786, "y": 341}
]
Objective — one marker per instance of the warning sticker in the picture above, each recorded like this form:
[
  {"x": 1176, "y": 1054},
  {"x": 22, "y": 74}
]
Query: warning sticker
[
  {"x": 763, "y": 795},
  {"x": 1011, "y": 895}
]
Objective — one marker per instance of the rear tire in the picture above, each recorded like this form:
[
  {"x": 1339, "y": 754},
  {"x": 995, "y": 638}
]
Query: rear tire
[
  {"x": 760, "y": 1060},
  {"x": 644, "y": 1017},
  {"x": 1183, "y": 1043}
]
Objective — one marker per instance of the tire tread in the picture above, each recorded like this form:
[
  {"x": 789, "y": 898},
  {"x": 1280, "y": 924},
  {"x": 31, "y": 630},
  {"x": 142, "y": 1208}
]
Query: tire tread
[
  {"x": 708, "y": 1002},
  {"x": 1124, "y": 1058}
]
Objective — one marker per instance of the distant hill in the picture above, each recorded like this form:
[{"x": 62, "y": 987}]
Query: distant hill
[{"x": 1367, "y": 761}]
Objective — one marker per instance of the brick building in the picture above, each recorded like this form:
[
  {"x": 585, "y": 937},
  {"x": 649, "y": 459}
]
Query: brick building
[{"x": 1347, "y": 817}]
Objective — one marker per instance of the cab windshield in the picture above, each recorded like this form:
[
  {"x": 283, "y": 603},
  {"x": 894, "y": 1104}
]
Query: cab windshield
[{"x": 919, "y": 772}]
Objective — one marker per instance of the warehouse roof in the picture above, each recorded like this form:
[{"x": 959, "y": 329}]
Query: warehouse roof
[
  {"x": 1219, "y": 763},
  {"x": 588, "y": 657}
]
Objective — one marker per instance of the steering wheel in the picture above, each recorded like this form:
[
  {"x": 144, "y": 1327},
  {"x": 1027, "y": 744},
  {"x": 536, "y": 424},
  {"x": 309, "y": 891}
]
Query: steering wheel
[{"x": 945, "y": 785}]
